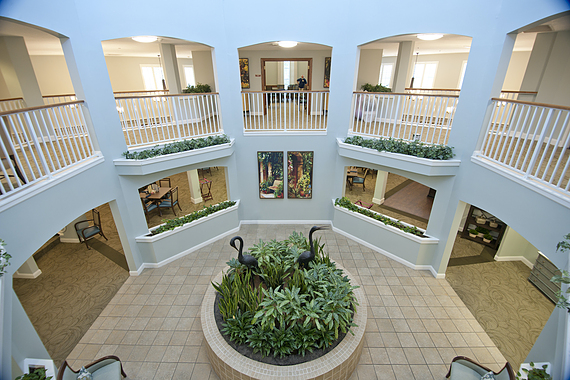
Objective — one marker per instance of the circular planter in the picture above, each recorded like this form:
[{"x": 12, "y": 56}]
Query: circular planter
[{"x": 229, "y": 364}]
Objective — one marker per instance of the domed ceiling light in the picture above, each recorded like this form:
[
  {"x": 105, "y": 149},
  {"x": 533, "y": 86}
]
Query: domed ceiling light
[
  {"x": 145, "y": 39},
  {"x": 430, "y": 36},
  {"x": 287, "y": 44}
]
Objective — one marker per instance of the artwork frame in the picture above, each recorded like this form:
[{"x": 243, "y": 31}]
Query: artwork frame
[
  {"x": 270, "y": 170},
  {"x": 300, "y": 174},
  {"x": 327, "y": 80},
  {"x": 244, "y": 72}
]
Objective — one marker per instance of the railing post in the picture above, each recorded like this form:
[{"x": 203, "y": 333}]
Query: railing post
[
  {"x": 538, "y": 145},
  {"x": 37, "y": 145}
]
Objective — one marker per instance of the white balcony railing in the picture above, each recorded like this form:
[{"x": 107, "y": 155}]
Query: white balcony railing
[
  {"x": 151, "y": 120},
  {"x": 532, "y": 140},
  {"x": 38, "y": 143},
  {"x": 12, "y": 104},
  {"x": 425, "y": 118},
  {"x": 285, "y": 111},
  {"x": 139, "y": 93},
  {"x": 528, "y": 96},
  {"x": 433, "y": 91},
  {"x": 58, "y": 99}
]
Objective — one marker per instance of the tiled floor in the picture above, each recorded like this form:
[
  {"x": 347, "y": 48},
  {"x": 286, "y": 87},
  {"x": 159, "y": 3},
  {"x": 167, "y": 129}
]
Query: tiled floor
[{"x": 416, "y": 323}]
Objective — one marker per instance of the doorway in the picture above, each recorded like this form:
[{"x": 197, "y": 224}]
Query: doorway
[{"x": 281, "y": 74}]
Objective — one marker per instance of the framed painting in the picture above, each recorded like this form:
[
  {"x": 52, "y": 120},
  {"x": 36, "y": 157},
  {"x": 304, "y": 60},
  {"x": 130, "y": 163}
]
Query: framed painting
[
  {"x": 244, "y": 72},
  {"x": 327, "y": 72},
  {"x": 300, "y": 175},
  {"x": 270, "y": 169}
]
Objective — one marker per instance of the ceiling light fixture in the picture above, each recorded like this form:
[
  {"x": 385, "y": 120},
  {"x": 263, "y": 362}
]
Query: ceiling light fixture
[
  {"x": 430, "y": 36},
  {"x": 287, "y": 44},
  {"x": 145, "y": 39}
]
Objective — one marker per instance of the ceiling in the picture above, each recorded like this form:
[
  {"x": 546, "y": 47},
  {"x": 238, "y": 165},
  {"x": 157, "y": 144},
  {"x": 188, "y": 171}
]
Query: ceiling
[{"x": 40, "y": 42}]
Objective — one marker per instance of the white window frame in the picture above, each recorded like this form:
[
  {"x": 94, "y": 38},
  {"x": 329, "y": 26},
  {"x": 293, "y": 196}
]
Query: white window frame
[
  {"x": 157, "y": 85},
  {"x": 462, "y": 74},
  {"x": 422, "y": 78},
  {"x": 189, "y": 81},
  {"x": 382, "y": 69}
]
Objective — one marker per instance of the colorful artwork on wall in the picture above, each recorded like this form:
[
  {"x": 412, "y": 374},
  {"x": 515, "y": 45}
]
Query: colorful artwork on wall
[
  {"x": 244, "y": 72},
  {"x": 270, "y": 169},
  {"x": 327, "y": 72},
  {"x": 300, "y": 175}
]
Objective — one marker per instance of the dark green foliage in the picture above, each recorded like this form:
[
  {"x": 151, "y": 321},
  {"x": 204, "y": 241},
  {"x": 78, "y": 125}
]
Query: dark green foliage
[
  {"x": 535, "y": 373},
  {"x": 173, "y": 223},
  {"x": 177, "y": 147},
  {"x": 37, "y": 374},
  {"x": 481, "y": 230},
  {"x": 564, "y": 277},
  {"x": 347, "y": 204},
  {"x": 378, "y": 88},
  {"x": 199, "y": 88},
  {"x": 299, "y": 311},
  {"x": 410, "y": 148}
]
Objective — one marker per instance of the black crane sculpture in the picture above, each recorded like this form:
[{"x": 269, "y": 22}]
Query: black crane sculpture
[
  {"x": 247, "y": 260},
  {"x": 308, "y": 256}
]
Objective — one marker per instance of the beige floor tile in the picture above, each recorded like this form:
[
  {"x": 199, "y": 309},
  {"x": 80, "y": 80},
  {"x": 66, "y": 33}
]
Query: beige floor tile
[
  {"x": 421, "y": 372},
  {"x": 384, "y": 372},
  {"x": 402, "y": 372},
  {"x": 414, "y": 355},
  {"x": 396, "y": 355},
  {"x": 431, "y": 355},
  {"x": 365, "y": 372}
]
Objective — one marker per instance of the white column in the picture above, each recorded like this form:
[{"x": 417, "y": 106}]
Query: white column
[
  {"x": 403, "y": 66},
  {"x": 369, "y": 67},
  {"x": 29, "y": 269},
  {"x": 380, "y": 188},
  {"x": 18, "y": 71},
  {"x": 170, "y": 65},
  {"x": 194, "y": 182}
]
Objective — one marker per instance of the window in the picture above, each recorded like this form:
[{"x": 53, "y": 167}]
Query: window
[
  {"x": 385, "y": 78},
  {"x": 424, "y": 74},
  {"x": 287, "y": 74},
  {"x": 189, "y": 75},
  {"x": 462, "y": 74},
  {"x": 152, "y": 77}
]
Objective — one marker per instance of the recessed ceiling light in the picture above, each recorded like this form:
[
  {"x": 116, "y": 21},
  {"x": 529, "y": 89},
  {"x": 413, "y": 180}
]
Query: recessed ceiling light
[
  {"x": 287, "y": 44},
  {"x": 145, "y": 39},
  {"x": 430, "y": 36}
]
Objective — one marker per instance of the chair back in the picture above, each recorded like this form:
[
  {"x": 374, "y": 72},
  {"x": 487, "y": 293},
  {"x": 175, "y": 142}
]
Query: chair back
[
  {"x": 165, "y": 182},
  {"x": 174, "y": 195},
  {"x": 366, "y": 171},
  {"x": 96, "y": 218}
]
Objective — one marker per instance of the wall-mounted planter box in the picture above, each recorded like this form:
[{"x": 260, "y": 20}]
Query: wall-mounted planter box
[
  {"x": 404, "y": 162},
  {"x": 164, "y": 247},
  {"x": 409, "y": 249},
  {"x": 174, "y": 160}
]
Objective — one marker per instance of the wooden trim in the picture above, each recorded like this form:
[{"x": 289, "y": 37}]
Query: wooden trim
[
  {"x": 566, "y": 108},
  {"x": 283, "y": 92},
  {"x": 10, "y": 99},
  {"x": 20, "y": 110},
  {"x": 519, "y": 92},
  {"x": 432, "y": 89},
  {"x": 405, "y": 93},
  {"x": 57, "y": 96},
  {"x": 138, "y": 91}
]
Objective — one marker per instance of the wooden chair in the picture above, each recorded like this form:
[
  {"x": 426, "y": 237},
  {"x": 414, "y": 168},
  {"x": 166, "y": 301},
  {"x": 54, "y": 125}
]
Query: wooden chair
[
  {"x": 88, "y": 229},
  {"x": 464, "y": 368},
  {"x": 165, "y": 182},
  {"x": 107, "y": 367},
  {"x": 148, "y": 206},
  {"x": 170, "y": 201},
  {"x": 361, "y": 180}
]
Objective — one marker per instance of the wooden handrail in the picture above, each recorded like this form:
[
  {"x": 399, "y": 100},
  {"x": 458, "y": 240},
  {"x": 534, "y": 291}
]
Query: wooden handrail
[
  {"x": 566, "y": 108},
  {"x": 138, "y": 91},
  {"x": 519, "y": 92},
  {"x": 404, "y": 93},
  {"x": 433, "y": 89},
  {"x": 7, "y": 100},
  {"x": 166, "y": 95},
  {"x": 57, "y": 96},
  {"x": 19, "y": 110}
]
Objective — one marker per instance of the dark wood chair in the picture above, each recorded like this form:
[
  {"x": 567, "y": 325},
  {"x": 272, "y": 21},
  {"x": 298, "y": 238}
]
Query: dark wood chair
[
  {"x": 165, "y": 182},
  {"x": 361, "y": 180},
  {"x": 88, "y": 229},
  {"x": 148, "y": 206},
  {"x": 170, "y": 201},
  {"x": 464, "y": 368},
  {"x": 108, "y": 368}
]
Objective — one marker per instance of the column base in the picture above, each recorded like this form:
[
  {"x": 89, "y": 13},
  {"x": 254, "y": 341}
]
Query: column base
[
  {"x": 196, "y": 200},
  {"x": 378, "y": 201}
]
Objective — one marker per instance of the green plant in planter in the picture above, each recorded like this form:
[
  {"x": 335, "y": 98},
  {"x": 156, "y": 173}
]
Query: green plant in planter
[
  {"x": 173, "y": 223},
  {"x": 410, "y": 148},
  {"x": 481, "y": 230},
  {"x": 488, "y": 237},
  {"x": 378, "y": 88},
  {"x": 199, "y": 88},
  {"x": 37, "y": 374},
  {"x": 564, "y": 277},
  {"x": 177, "y": 147},
  {"x": 535, "y": 373},
  {"x": 473, "y": 231}
]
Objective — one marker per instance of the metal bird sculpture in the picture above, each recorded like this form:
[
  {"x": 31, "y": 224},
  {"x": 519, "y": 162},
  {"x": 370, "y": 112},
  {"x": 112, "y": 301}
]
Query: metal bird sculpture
[
  {"x": 308, "y": 256},
  {"x": 247, "y": 260}
]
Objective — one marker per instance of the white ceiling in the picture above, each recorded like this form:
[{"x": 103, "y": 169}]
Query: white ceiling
[{"x": 41, "y": 42}]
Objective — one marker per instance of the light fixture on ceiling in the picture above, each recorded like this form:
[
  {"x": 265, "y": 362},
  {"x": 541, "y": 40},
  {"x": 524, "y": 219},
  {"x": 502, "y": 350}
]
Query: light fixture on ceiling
[
  {"x": 430, "y": 36},
  {"x": 145, "y": 39},
  {"x": 287, "y": 44}
]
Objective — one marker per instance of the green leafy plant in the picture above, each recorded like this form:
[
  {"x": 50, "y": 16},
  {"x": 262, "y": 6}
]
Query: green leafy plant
[
  {"x": 410, "y": 148},
  {"x": 207, "y": 210},
  {"x": 37, "y": 374},
  {"x": 4, "y": 258},
  {"x": 199, "y": 88},
  {"x": 177, "y": 147},
  {"x": 481, "y": 230},
  {"x": 535, "y": 373},
  {"x": 378, "y": 88},
  {"x": 347, "y": 204},
  {"x": 473, "y": 231},
  {"x": 564, "y": 277},
  {"x": 488, "y": 237}
]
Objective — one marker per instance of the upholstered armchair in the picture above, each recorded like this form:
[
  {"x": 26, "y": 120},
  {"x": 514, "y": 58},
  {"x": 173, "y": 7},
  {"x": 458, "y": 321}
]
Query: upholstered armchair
[
  {"x": 88, "y": 229},
  {"x": 106, "y": 368},
  {"x": 463, "y": 368}
]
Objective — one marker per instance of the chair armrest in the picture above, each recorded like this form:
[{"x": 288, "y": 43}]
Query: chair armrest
[{"x": 102, "y": 362}]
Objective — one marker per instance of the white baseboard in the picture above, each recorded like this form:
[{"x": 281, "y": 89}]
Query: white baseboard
[
  {"x": 69, "y": 240},
  {"x": 378, "y": 201},
  {"x": 390, "y": 255},
  {"x": 29, "y": 276},
  {"x": 515, "y": 258}
]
